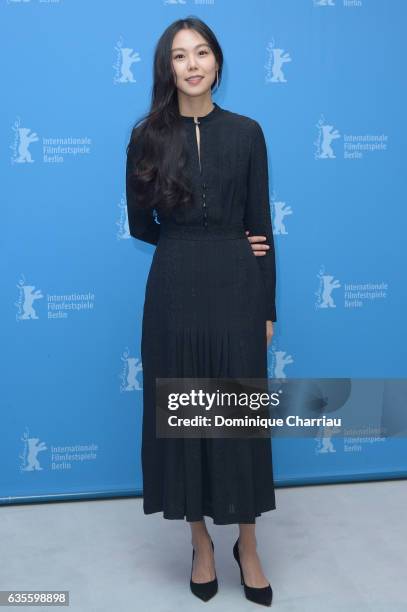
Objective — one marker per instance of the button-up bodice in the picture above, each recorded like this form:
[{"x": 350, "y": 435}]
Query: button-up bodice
[{"x": 229, "y": 176}]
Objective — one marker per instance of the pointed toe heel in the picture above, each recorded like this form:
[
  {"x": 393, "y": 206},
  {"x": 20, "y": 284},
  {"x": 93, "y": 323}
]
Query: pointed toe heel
[
  {"x": 262, "y": 595},
  {"x": 203, "y": 590}
]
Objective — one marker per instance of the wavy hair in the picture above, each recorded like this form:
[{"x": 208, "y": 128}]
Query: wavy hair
[{"x": 158, "y": 166}]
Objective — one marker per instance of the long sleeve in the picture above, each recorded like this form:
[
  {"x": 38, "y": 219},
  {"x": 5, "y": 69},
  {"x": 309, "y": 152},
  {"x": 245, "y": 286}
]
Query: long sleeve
[
  {"x": 257, "y": 217},
  {"x": 141, "y": 221}
]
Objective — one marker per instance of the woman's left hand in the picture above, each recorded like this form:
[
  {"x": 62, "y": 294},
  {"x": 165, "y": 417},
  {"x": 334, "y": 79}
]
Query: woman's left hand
[{"x": 269, "y": 331}]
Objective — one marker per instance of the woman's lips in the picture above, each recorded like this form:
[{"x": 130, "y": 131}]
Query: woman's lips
[{"x": 194, "y": 80}]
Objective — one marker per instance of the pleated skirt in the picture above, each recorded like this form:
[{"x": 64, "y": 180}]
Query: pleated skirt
[{"x": 204, "y": 316}]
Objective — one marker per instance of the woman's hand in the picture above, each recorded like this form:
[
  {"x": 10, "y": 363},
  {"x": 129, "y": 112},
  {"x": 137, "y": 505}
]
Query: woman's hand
[
  {"x": 269, "y": 331},
  {"x": 259, "y": 248}
]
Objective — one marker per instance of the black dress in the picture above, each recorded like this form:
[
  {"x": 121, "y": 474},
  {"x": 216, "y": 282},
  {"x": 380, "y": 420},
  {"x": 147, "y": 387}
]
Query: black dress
[{"x": 206, "y": 303}]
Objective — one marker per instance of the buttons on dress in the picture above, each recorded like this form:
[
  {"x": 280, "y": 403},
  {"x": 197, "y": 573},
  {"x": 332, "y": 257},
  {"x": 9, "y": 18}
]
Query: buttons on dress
[{"x": 205, "y": 216}]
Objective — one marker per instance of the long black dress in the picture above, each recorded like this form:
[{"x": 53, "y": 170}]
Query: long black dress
[{"x": 206, "y": 302}]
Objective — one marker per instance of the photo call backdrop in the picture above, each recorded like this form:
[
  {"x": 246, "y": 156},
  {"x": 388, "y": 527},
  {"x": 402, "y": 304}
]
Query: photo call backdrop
[{"x": 324, "y": 78}]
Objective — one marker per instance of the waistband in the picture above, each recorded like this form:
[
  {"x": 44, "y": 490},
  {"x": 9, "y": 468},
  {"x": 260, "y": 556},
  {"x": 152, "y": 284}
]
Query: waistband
[{"x": 188, "y": 232}]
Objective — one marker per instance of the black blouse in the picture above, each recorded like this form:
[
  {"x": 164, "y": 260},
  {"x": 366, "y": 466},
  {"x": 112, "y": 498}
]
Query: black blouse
[{"x": 230, "y": 185}]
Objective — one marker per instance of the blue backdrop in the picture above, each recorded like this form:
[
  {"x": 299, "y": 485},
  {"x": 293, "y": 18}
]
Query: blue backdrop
[{"x": 325, "y": 80}]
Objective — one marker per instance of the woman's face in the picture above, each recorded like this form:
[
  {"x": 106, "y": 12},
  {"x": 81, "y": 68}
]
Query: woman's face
[{"x": 192, "y": 56}]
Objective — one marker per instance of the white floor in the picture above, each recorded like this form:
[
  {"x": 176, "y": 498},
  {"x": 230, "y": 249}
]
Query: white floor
[{"x": 325, "y": 548}]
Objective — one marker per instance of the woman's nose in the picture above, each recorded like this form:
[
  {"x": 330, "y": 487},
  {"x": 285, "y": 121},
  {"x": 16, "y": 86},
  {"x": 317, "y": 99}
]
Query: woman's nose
[{"x": 191, "y": 63}]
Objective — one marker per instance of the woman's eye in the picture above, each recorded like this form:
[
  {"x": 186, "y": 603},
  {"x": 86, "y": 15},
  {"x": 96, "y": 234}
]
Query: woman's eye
[{"x": 204, "y": 51}]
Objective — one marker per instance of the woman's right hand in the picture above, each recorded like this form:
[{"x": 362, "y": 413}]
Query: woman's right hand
[{"x": 259, "y": 248}]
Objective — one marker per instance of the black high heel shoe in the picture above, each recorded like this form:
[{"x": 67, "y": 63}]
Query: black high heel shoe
[
  {"x": 203, "y": 590},
  {"x": 261, "y": 595}
]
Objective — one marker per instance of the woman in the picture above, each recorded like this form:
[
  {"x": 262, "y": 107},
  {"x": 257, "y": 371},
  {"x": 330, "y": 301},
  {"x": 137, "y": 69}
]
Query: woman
[{"x": 201, "y": 172}]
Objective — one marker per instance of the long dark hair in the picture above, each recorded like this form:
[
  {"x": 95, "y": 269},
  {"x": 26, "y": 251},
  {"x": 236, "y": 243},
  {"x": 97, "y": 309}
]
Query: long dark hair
[{"x": 157, "y": 171}]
